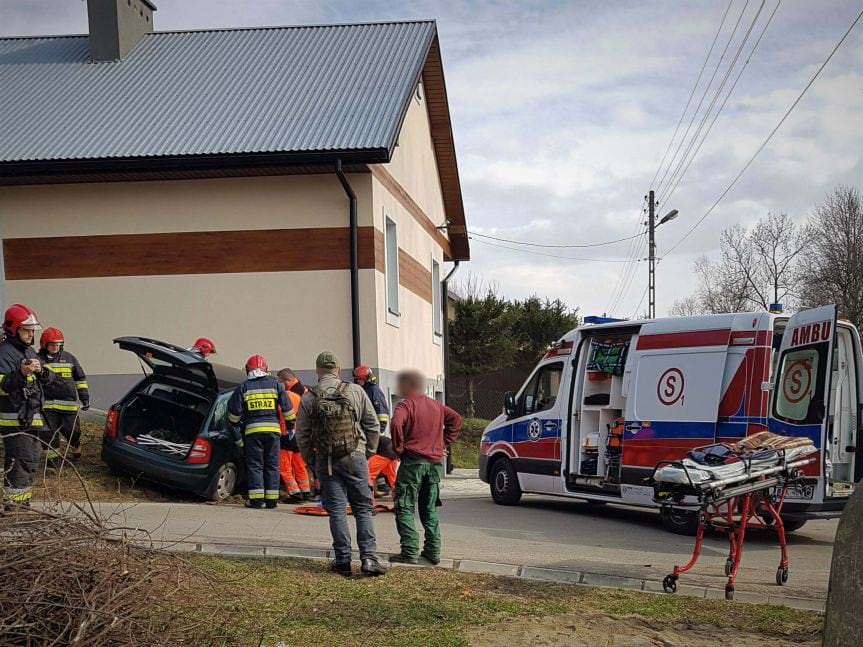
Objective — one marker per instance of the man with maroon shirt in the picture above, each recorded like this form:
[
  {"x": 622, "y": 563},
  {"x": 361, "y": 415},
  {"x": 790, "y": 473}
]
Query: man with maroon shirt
[{"x": 421, "y": 430}]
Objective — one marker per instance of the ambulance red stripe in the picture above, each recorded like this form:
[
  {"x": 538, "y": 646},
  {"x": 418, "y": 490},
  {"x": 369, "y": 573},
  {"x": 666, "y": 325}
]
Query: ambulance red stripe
[{"x": 687, "y": 339}]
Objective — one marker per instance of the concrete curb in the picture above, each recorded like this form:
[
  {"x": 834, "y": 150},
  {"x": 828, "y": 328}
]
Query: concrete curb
[{"x": 532, "y": 573}]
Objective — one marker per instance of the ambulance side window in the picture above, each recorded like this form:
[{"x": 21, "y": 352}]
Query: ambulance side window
[
  {"x": 800, "y": 386},
  {"x": 540, "y": 393}
]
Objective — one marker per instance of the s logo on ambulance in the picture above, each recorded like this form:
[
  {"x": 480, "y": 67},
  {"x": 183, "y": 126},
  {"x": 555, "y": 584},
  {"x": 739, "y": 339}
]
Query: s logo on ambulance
[
  {"x": 811, "y": 333},
  {"x": 669, "y": 389}
]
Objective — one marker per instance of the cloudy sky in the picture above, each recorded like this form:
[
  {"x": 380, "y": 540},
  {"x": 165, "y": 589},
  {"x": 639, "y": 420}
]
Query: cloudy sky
[{"x": 562, "y": 112}]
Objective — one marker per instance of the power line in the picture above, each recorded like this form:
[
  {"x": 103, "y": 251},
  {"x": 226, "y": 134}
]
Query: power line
[
  {"x": 692, "y": 93},
  {"x": 638, "y": 307},
  {"x": 682, "y": 165},
  {"x": 671, "y": 164},
  {"x": 769, "y": 136},
  {"x": 520, "y": 242},
  {"x": 567, "y": 258},
  {"x": 631, "y": 255}
]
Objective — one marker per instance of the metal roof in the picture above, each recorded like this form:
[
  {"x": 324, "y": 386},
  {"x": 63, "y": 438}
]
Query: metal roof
[{"x": 215, "y": 92}]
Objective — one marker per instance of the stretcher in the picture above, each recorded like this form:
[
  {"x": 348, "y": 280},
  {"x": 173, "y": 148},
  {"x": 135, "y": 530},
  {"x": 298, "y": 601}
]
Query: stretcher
[{"x": 746, "y": 490}]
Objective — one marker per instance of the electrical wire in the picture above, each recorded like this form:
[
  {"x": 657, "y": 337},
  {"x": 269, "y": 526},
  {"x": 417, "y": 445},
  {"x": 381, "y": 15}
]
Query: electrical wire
[
  {"x": 724, "y": 101},
  {"x": 631, "y": 255},
  {"x": 520, "y": 242},
  {"x": 692, "y": 92},
  {"x": 530, "y": 251},
  {"x": 638, "y": 307},
  {"x": 769, "y": 136},
  {"x": 683, "y": 166},
  {"x": 671, "y": 164}
]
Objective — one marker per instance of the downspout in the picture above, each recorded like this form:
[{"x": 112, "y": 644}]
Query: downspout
[
  {"x": 445, "y": 319},
  {"x": 355, "y": 266}
]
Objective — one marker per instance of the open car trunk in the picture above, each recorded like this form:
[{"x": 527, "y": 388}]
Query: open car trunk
[{"x": 164, "y": 418}]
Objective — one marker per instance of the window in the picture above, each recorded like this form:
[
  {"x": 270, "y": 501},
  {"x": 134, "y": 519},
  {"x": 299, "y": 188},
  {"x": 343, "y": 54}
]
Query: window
[
  {"x": 437, "y": 315},
  {"x": 800, "y": 388},
  {"x": 540, "y": 393},
  {"x": 219, "y": 421},
  {"x": 392, "y": 270}
]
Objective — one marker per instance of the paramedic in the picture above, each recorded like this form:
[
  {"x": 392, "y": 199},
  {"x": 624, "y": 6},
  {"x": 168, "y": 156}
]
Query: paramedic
[
  {"x": 21, "y": 379},
  {"x": 292, "y": 467},
  {"x": 384, "y": 463},
  {"x": 421, "y": 429},
  {"x": 254, "y": 410},
  {"x": 337, "y": 425},
  {"x": 64, "y": 395}
]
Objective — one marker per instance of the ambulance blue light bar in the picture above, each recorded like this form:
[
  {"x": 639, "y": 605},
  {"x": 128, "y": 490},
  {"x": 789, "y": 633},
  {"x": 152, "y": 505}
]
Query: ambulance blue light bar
[{"x": 593, "y": 319}]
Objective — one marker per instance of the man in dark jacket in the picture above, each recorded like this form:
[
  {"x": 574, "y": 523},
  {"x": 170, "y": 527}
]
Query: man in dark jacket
[
  {"x": 21, "y": 378},
  {"x": 421, "y": 430},
  {"x": 253, "y": 411},
  {"x": 64, "y": 395}
]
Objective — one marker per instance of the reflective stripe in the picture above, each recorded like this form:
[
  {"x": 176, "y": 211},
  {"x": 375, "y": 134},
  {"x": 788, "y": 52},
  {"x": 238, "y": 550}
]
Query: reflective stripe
[
  {"x": 82, "y": 385},
  {"x": 256, "y": 494},
  {"x": 272, "y": 392},
  {"x": 383, "y": 417},
  {"x": 265, "y": 427},
  {"x": 61, "y": 405},
  {"x": 271, "y": 495},
  {"x": 234, "y": 418},
  {"x": 11, "y": 420},
  {"x": 291, "y": 416},
  {"x": 52, "y": 365},
  {"x": 17, "y": 495}
]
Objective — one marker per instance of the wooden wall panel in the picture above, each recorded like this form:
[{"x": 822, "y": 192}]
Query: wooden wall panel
[
  {"x": 202, "y": 252},
  {"x": 414, "y": 276}
]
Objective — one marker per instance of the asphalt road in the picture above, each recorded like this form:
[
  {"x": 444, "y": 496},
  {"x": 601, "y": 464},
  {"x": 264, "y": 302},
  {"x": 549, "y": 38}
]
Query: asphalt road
[{"x": 542, "y": 531}]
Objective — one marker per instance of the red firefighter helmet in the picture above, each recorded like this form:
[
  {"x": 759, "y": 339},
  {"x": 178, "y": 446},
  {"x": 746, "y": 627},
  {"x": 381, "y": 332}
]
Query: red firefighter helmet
[
  {"x": 51, "y": 336},
  {"x": 363, "y": 374},
  {"x": 205, "y": 346},
  {"x": 18, "y": 316},
  {"x": 256, "y": 362}
]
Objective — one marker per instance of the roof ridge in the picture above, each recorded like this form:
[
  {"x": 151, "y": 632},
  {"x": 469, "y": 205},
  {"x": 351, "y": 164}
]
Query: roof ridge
[{"x": 370, "y": 23}]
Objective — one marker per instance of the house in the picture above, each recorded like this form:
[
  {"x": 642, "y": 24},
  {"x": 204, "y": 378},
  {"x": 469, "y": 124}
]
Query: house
[{"x": 280, "y": 190}]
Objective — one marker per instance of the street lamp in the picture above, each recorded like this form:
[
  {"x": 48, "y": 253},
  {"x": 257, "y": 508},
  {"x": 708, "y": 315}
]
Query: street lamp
[{"x": 651, "y": 246}]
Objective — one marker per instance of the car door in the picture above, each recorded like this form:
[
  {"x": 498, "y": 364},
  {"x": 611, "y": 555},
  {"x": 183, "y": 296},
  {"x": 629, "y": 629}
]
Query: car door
[
  {"x": 801, "y": 387},
  {"x": 536, "y": 429}
]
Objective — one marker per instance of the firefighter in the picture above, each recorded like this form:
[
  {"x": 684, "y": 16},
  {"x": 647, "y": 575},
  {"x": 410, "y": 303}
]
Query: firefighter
[
  {"x": 292, "y": 467},
  {"x": 204, "y": 347},
  {"x": 64, "y": 395},
  {"x": 382, "y": 464},
  {"x": 254, "y": 410},
  {"x": 21, "y": 379}
]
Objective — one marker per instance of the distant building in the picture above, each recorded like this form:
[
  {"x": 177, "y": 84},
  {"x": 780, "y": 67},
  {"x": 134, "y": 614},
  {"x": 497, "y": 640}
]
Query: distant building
[{"x": 183, "y": 184}]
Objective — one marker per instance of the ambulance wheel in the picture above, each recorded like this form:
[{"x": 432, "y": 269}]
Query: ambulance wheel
[
  {"x": 222, "y": 483},
  {"x": 503, "y": 482},
  {"x": 679, "y": 521},
  {"x": 729, "y": 567},
  {"x": 669, "y": 584},
  {"x": 781, "y": 576}
]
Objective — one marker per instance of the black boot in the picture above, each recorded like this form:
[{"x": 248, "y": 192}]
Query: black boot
[
  {"x": 371, "y": 566},
  {"x": 255, "y": 504},
  {"x": 342, "y": 568}
]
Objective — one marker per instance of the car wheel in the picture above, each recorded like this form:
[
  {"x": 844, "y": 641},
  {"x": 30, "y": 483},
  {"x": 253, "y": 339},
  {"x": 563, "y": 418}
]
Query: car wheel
[
  {"x": 223, "y": 483},
  {"x": 503, "y": 482},
  {"x": 678, "y": 520}
]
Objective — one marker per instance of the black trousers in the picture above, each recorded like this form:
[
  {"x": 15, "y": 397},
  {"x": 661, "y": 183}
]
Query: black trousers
[
  {"x": 262, "y": 465},
  {"x": 20, "y": 463},
  {"x": 62, "y": 423}
]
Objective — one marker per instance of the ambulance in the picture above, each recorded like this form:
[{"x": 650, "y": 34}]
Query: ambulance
[{"x": 613, "y": 398}]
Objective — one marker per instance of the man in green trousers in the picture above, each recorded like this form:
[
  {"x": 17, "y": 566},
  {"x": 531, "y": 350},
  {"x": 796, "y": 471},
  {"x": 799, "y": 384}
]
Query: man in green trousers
[{"x": 421, "y": 430}]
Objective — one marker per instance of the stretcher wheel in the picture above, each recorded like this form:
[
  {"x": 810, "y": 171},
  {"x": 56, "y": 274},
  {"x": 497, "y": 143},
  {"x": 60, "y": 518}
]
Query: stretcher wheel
[
  {"x": 781, "y": 576},
  {"x": 729, "y": 567},
  {"x": 729, "y": 593},
  {"x": 669, "y": 584}
]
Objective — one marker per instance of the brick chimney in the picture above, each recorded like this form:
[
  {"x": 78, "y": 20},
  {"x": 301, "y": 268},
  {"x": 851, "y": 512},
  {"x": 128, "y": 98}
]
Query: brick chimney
[{"x": 116, "y": 26}]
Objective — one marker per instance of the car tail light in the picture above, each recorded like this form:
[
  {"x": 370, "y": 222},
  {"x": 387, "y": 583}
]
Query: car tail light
[
  {"x": 111, "y": 423},
  {"x": 201, "y": 452}
]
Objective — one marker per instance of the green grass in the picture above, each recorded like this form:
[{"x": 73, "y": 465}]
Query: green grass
[
  {"x": 299, "y": 602},
  {"x": 465, "y": 451}
]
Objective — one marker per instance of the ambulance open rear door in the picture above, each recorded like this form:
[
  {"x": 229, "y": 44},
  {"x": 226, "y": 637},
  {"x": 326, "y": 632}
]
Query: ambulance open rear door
[{"x": 801, "y": 401}]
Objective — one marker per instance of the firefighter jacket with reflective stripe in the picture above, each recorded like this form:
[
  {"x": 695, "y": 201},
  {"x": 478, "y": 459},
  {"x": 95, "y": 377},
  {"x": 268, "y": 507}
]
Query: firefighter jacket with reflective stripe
[
  {"x": 69, "y": 389},
  {"x": 20, "y": 397},
  {"x": 379, "y": 402},
  {"x": 256, "y": 403}
]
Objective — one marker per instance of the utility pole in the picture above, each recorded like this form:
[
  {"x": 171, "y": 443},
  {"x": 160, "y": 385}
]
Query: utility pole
[{"x": 651, "y": 258}]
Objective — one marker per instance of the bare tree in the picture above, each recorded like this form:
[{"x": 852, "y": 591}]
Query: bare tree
[
  {"x": 757, "y": 267},
  {"x": 834, "y": 267}
]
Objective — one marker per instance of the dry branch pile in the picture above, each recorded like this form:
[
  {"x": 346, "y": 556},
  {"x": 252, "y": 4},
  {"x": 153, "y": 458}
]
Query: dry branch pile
[{"x": 65, "y": 579}]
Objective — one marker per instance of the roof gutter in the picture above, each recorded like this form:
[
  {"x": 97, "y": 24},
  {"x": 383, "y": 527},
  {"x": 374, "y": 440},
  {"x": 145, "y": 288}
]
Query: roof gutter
[
  {"x": 445, "y": 320},
  {"x": 355, "y": 266}
]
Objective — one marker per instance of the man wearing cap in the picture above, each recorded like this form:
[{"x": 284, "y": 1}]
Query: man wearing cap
[{"x": 337, "y": 425}]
